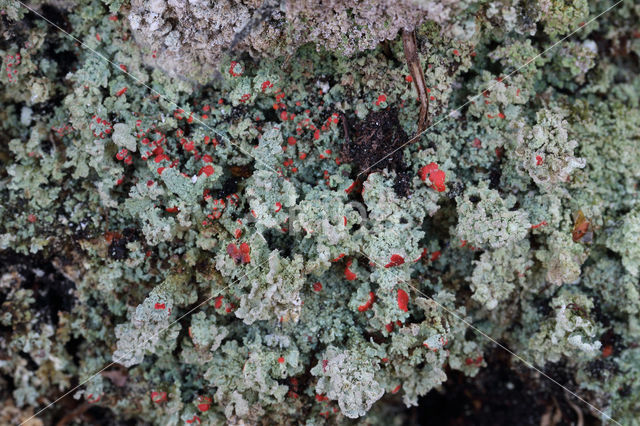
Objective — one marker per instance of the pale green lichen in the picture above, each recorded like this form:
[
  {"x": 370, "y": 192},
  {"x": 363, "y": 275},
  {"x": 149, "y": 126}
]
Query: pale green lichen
[
  {"x": 487, "y": 221},
  {"x": 296, "y": 285}
]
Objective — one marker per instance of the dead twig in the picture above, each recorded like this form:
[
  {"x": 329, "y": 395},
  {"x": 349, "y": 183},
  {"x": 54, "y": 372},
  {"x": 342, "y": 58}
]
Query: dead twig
[
  {"x": 576, "y": 409},
  {"x": 413, "y": 62},
  {"x": 346, "y": 129},
  {"x": 75, "y": 413}
]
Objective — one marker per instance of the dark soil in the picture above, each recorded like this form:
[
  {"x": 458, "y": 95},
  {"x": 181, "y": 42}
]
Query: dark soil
[
  {"x": 500, "y": 395},
  {"x": 118, "y": 248},
  {"x": 375, "y": 144},
  {"x": 52, "y": 291}
]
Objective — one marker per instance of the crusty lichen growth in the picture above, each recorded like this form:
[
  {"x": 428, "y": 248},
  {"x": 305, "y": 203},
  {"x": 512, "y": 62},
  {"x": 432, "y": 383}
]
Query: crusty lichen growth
[
  {"x": 300, "y": 291},
  {"x": 191, "y": 38}
]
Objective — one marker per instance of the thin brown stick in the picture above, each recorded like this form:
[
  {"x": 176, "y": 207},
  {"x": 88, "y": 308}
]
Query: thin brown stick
[
  {"x": 577, "y": 410},
  {"x": 413, "y": 62},
  {"x": 346, "y": 129},
  {"x": 75, "y": 413}
]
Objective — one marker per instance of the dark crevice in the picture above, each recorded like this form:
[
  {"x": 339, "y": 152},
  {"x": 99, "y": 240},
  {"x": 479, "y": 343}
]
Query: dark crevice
[
  {"x": 500, "y": 394},
  {"x": 52, "y": 291}
]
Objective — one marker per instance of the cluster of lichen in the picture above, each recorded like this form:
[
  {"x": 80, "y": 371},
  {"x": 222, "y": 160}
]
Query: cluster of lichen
[{"x": 222, "y": 255}]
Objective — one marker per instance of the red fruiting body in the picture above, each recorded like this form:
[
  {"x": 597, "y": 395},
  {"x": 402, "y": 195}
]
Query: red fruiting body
[
  {"x": 389, "y": 327},
  {"x": 396, "y": 260},
  {"x": 348, "y": 274},
  {"x": 189, "y": 146},
  {"x": 369, "y": 304},
  {"x": 543, "y": 223},
  {"x": 207, "y": 170},
  {"x": 381, "y": 99},
  {"x": 281, "y": 360},
  {"x": 194, "y": 419},
  {"x": 240, "y": 255},
  {"x": 232, "y": 69},
  {"x": 122, "y": 153},
  {"x": 160, "y": 306},
  {"x": 422, "y": 255},
  {"x": 471, "y": 361},
  {"x": 204, "y": 403},
  {"x": 317, "y": 286},
  {"x": 350, "y": 188},
  {"x": 121, "y": 91},
  {"x": 437, "y": 180},
  {"x": 403, "y": 300},
  {"x": 158, "y": 397},
  {"x": 218, "y": 302},
  {"x": 435, "y": 175},
  {"x": 396, "y": 389},
  {"x": 538, "y": 160},
  {"x": 426, "y": 170}
]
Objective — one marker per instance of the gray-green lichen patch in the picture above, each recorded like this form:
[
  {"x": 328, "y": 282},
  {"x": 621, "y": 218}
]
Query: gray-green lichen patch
[{"x": 238, "y": 268}]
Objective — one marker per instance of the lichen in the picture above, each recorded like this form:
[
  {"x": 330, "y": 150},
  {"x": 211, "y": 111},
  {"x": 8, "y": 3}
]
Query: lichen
[{"x": 230, "y": 217}]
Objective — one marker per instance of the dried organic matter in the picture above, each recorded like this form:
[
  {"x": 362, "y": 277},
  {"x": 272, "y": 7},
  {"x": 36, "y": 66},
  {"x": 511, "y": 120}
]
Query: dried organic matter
[{"x": 373, "y": 145}]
